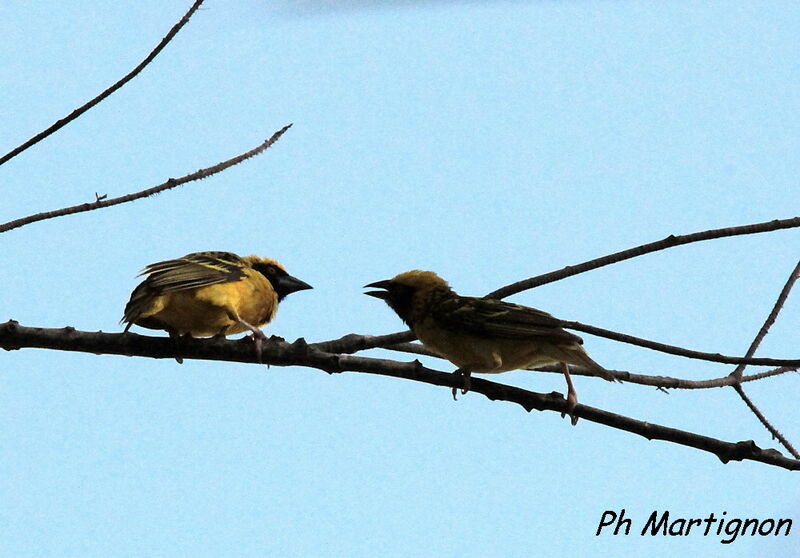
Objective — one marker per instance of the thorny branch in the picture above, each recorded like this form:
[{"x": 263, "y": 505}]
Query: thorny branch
[
  {"x": 649, "y": 248},
  {"x": 101, "y": 201},
  {"x": 737, "y": 373},
  {"x": 280, "y": 353},
  {"x": 773, "y": 315},
  {"x": 679, "y": 351},
  {"x": 82, "y": 109}
]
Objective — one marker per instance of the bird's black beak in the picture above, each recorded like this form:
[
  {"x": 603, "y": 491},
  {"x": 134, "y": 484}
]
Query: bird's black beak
[
  {"x": 288, "y": 284},
  {"x": 383, "y": 295}
]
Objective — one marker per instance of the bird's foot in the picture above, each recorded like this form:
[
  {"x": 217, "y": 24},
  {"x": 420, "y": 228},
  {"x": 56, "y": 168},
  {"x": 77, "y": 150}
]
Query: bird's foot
[
  {"x": 178, "y": 339},
  {"x": 572, "y": 396},
  {"x": 466, "y": 386},
  {"x": 258, "y": 343},
  {"x": 572, "y": 402}
]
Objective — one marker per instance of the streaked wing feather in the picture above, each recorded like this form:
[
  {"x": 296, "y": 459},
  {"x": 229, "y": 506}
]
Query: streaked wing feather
[
  {"x": 194, "y": 270},
  {"x": 495, "y": 318}
]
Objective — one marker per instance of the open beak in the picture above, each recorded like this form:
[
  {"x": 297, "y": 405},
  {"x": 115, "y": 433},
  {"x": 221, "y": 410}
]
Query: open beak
[
  {"x": 289, "y": 284},
  {"x": 383, "y": 295}
]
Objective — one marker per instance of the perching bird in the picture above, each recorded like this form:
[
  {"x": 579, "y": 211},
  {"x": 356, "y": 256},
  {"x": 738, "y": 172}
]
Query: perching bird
[
  {"x": 210, "y": 293},
  {"x": 482, "y": 335}
]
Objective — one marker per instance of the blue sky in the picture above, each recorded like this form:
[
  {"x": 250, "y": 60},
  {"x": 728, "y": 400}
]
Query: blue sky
[{"x": 488, "y": 141}]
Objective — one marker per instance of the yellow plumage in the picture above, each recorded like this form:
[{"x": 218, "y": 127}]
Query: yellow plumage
[{"x": 210, "y": 293}]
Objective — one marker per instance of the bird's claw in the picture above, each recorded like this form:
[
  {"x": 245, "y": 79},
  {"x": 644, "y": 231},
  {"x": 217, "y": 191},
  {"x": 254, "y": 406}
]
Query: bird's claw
[
  {"x": 258, "y": 344},
  {"x": 572, "y": 402},
  {"x": 467, "y": 385}
]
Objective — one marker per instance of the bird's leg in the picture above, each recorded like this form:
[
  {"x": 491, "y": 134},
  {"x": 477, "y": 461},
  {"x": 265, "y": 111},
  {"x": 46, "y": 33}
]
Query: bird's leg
[
  {"x": 258, "y": 335},
  {"x": 572, "y": 396},
  {"x": 175, "y": 336},
  {"x": 467, "y": 381}
]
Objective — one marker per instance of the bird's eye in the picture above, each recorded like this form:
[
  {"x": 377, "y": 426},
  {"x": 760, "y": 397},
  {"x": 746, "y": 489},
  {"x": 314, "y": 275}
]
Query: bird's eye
[{"x": 271, "y": 270}]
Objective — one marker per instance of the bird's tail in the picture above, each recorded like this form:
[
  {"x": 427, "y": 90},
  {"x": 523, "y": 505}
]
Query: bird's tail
[
  {"x": 576, "y": 355},
  {"x": 139, "y": 304}
]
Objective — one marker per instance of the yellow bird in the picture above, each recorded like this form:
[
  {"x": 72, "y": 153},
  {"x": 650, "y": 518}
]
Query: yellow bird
[
  {"x": 210, "y": 293},
  {"x": 483, "y": 335}
]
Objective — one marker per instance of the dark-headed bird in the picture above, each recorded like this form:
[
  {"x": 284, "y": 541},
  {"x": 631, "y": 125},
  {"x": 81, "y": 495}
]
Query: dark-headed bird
[
  {"x": 483, "y": 335},
  {"x": 210, "y": 294}
]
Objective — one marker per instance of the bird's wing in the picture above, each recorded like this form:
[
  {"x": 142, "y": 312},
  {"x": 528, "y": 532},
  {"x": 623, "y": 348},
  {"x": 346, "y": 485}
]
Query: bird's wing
[
  {"x": 194, "y": 270},
  {"x": 498, "y": 319}
]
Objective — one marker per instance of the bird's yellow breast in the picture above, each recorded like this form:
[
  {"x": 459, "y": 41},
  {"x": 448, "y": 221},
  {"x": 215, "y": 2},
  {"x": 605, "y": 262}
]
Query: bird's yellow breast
[{"x": 207, "y": 310}]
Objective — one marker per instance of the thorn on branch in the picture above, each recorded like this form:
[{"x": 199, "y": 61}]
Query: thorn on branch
[{"x": 98, "y": 198}]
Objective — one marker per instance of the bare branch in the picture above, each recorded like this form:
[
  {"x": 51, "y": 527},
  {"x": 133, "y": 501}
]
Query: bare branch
[
  {"x": 353, "y": 343},
  {"x": 679, "y": 351},
  {"x": 101, "y": 201},
  {"x": 82, "y": 109},
  {"x": 737, "y": 373},
  {"x": 670, "y": 382},
  {"x": 278, "y": 352},
  {"x": 763, "y": 420},
  {"x": 663, "y": 244}
]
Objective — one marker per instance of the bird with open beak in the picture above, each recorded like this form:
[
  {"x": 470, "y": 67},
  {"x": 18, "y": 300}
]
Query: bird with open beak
[{"x": 483, "y": 335}]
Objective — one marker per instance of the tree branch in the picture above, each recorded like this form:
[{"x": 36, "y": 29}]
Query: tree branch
[
  {"x": 82, "y": 109},
  {"x": 763, "y": 420},
  {"x": 278, "y": 352},
  {"x": 737, "y": 373},
  {"x": 668, "y": 242},
  {"x": 679, "y": 351},
  {"x": 101, "y": 202},
  {"x": 353, "y": 343},
  {"x": 773, "y": 315}
]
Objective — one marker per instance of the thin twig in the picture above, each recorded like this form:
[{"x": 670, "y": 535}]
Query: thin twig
[
  {"x": 668, "y": 382},
  {"x": 667, "y": 242},
  {"x": 277, "y": 352},
  {"x": 763, "y": 420},
  {"x": 736, "y": 375},
  {"x": 679, "y": 351},
  {"x": 776, "y": 309},
  {"x": 100, "y": 201},
  {"x": 82, "y": 109}
]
